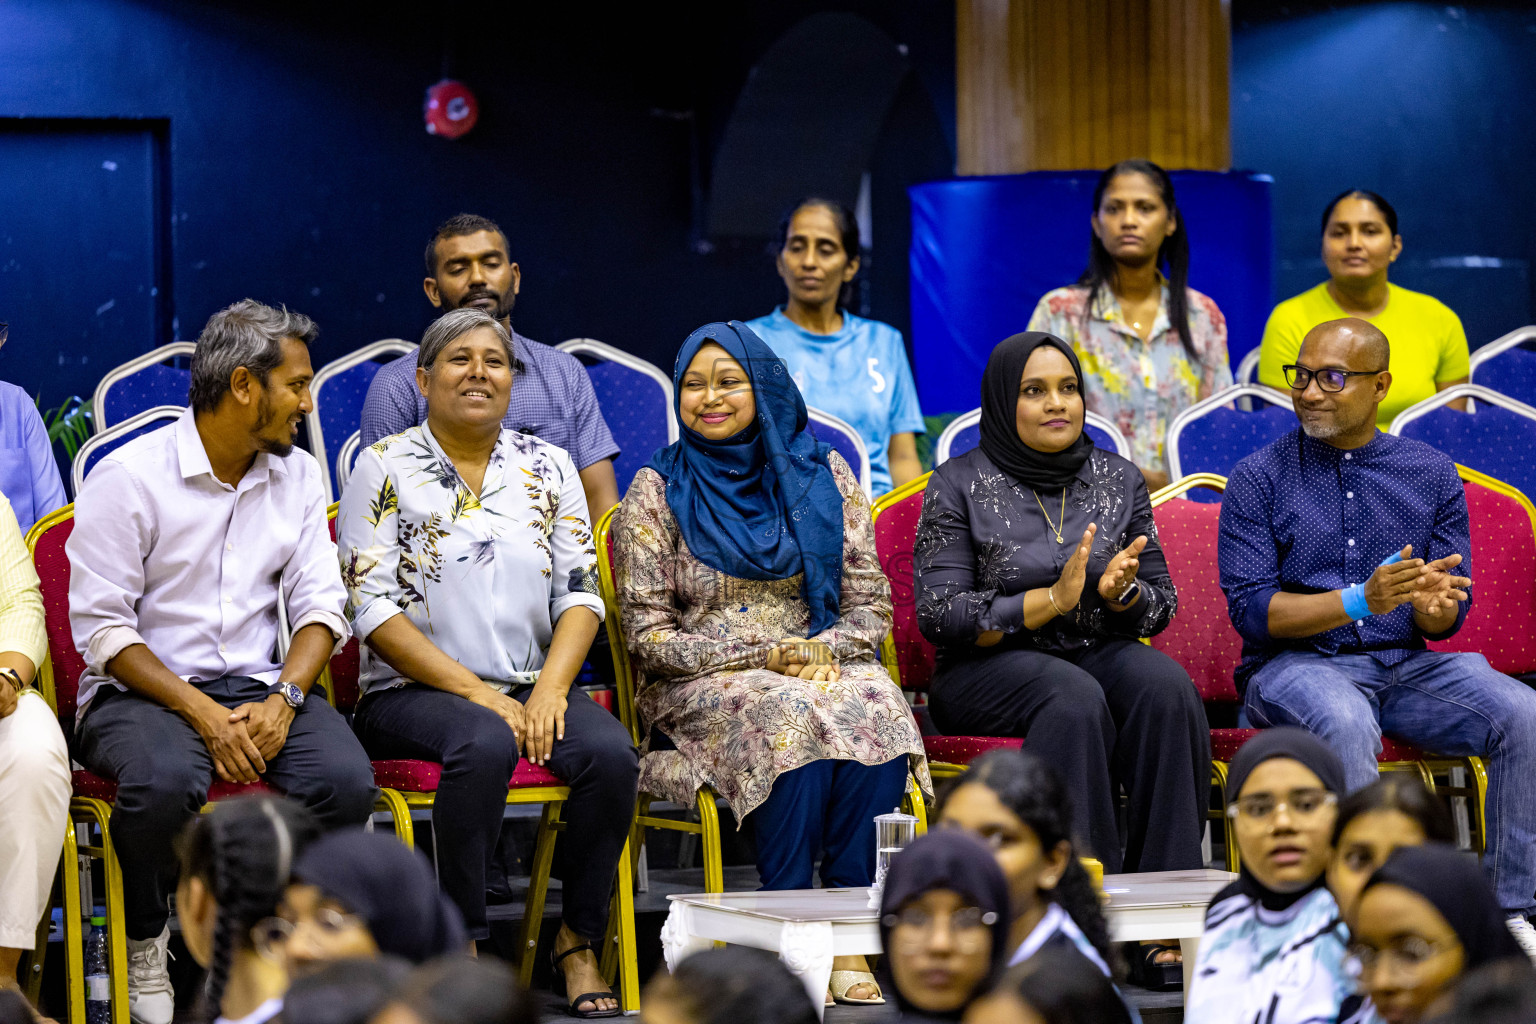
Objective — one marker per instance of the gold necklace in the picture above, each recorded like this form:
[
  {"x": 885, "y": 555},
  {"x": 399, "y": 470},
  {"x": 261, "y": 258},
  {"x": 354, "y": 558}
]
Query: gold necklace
[{"x": 1056, "y": 528}]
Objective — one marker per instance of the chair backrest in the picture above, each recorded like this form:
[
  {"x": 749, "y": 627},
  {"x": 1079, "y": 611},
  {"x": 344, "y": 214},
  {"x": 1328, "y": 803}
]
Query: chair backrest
[
  {"x": 623, "y": 672},
  {"x": 1497, "y": 437},
  {"x": 636, "y": 400},
  {"x": 1210, "y": 437},
  {"x": 1200, "y": 637},
  {"x": 1248, "y": 369},
  {"x": 59, "y": 675},
  {"x": 1508, "y": 365},
  {"x": 907, "y": 654},
  {"x": 161, "y": 376},
  {"x": 338, "y": 390},
  {"x": 964, "y": 433},
  {"x": 346, "y": 458},
  {"x": 115, "y": 437},
  {"x": 844, "y": 439},
  {"x": 1501, "y": 625}
]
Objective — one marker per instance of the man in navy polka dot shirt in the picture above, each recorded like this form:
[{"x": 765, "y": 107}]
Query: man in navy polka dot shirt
[{"x": 1342, "y": 550}]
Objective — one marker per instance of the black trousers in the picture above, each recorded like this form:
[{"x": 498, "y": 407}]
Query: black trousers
[
  {"x": 479, "y": 753},
  {"x": 1116, "y": 713},
  {"x": 163, "y": 772}
]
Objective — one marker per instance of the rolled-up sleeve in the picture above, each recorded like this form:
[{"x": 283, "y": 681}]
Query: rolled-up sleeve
[
  {"x": 368, "y": 544},
  {"x": 1246, "y": 555},
  {"x": 107, "y": 548},
  {"x": 573, "y": 558},
  {"x": 312, "y": 589},
  {"x": 950, "y": 610},
  {"x": 21, "y": 601}
]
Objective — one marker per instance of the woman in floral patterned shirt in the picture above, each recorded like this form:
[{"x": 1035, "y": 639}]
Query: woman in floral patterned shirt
[
  {"x": 1150, "y": 345},
  {"x": 471, "y": 575},
  {"x": 754, "y": 607}
]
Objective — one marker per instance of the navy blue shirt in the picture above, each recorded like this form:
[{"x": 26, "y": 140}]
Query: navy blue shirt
[{"x": 1303, "y": 517}]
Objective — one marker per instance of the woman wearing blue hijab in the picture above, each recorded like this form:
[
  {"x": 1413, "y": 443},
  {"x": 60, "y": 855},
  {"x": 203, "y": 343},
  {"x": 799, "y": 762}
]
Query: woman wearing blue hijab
[{"x": 753, "y": 606}]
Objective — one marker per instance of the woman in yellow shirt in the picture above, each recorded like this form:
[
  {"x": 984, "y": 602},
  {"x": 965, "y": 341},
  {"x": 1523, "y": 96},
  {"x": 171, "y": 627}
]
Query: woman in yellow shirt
[{"x": 1360, "y": 241}]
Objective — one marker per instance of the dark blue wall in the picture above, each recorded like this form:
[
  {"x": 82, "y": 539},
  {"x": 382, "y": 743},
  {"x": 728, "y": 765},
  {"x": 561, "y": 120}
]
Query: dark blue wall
[
  {"x": 299, "y": 172},
  {"x": 1430, "y": 105}
]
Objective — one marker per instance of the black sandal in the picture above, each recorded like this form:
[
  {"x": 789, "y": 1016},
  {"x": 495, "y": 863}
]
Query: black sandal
[
  {"x": 557, "y": 982},
  {"x": 1149, "y": 974}
]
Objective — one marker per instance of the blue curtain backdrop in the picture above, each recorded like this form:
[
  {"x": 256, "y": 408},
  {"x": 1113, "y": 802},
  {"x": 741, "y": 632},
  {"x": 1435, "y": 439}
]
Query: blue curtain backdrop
[{"x": 985, "y": 249}]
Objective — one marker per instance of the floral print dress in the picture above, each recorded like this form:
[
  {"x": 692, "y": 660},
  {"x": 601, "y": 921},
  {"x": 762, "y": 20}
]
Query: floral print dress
[{"x": 699, "y": 641}]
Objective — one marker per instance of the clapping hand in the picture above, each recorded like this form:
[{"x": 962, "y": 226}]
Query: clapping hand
[
  {"x": 1068, "y": 590},
  {"x": 1121, "y": 572},
  {"x": 1438, "y": 591}
]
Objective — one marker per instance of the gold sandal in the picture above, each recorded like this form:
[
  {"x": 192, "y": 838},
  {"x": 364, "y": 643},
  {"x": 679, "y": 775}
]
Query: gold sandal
[{"x": 842, "y": 981}]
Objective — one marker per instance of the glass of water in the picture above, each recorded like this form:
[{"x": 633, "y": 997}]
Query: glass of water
[{"x": 893, "y": 832}]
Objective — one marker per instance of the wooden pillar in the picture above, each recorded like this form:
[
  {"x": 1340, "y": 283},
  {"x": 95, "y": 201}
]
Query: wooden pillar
[{"x": 1072, "y": 84}]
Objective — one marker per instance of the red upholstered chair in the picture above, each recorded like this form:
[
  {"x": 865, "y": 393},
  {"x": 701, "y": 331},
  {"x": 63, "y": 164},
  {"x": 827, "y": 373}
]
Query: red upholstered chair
[
  {"x": 1202, "y": 640},
  {"x": 906, "y": 653},
  {"x": 407, "y": 784}
]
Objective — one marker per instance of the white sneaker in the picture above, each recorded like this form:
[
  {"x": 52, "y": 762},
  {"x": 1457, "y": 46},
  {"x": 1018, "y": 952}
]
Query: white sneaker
[
  {"x": 1524, "y": 934},
  {"x": 151, "y": 999}
]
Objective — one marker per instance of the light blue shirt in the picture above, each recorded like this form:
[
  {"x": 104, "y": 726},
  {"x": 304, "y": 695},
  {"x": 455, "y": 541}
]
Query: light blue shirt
[
  {"x": 484, "y": 578},
  {"x": 29, "y": 477},
  {"x": 860, "y": 375}
]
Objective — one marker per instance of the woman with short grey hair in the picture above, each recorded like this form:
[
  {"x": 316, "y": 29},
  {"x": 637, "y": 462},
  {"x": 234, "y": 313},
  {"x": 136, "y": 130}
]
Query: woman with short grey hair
[{"x": 471, "y": 573}]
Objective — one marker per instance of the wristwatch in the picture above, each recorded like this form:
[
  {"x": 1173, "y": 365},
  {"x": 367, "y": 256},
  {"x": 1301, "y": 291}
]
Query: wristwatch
[
  {"x": 291, "y": 694},
  {"x": 1129, "y": 594}
]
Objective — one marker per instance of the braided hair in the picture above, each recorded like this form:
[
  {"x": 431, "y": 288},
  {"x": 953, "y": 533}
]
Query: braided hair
[
  {"x": 243, "y": 852},
  {"x": 1032, "y": 791}
]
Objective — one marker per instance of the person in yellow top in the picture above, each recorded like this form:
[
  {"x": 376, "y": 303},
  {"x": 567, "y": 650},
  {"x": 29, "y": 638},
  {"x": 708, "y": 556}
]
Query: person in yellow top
[{"x": 1360, "y": 241}]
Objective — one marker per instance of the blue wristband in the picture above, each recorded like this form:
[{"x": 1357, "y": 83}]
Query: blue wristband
[{"x": 1355, "y": 605}]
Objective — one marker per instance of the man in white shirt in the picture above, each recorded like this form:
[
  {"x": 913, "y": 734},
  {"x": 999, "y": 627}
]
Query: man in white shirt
[{"x": 184, "y": 541}]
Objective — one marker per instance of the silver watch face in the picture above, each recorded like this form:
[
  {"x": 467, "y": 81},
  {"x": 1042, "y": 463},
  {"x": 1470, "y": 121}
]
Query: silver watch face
[{"x": 292, "y": 694}]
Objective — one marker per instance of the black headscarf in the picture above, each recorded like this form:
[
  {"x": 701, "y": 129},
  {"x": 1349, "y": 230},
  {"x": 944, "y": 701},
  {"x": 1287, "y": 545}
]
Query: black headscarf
[
  {"x": 1298, "y": 745},
  {"x": 1455, "y": 885},
  {"x": 999, "y": 416},
  {"x": 390, "y": 886},
  {"x": 958, "y": 861}
]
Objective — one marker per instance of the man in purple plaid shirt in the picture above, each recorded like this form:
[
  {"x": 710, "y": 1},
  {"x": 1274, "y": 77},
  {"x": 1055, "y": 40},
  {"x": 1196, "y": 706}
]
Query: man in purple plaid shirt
[{"x": 552, "y": 397}]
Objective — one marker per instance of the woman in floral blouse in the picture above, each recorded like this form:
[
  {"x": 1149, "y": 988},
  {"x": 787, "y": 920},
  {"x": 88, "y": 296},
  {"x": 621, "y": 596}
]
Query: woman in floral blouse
[
  {"x": 471, "y": 575},
  {"x": 1150, "y": 345},
  {"x": 754, "y": 606}
]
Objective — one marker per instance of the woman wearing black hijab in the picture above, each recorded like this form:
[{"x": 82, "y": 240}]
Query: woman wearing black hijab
[
  {"x": 944, "y": 919},
  {"x": 1037, "y": 572},
  {"x": 1425, "y": 918}
]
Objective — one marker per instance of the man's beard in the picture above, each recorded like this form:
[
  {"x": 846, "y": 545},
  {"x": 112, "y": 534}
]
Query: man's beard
[
  {"x": 1329, "y": 430},
  {"x": 504, "y": 302},
  {"x": 264, "y": 418}
]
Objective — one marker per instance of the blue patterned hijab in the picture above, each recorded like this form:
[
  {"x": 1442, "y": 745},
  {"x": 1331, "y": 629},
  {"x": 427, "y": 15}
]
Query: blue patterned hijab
[{"x": 761, "y": 504}]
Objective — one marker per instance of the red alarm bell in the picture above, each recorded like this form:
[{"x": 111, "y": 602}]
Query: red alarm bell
[{"x": 451, "y": 109}]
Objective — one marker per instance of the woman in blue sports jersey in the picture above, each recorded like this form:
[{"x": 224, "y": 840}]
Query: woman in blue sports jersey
[{"x": 853, "y": 368}]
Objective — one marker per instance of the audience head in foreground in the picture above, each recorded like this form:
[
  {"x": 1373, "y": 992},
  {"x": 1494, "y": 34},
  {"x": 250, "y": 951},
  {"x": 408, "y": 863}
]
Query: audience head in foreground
[
  {"x": 1052, "y": 987},
  {"x": 1397, "y": 810},
  {"x": 348, "y": 991},
  {"x": 461, "y": 990},
  {"x": 1017, "y": 805},
  {"x": 943, "y": 923},
  {"x": 1424, "y": 918},
  {"x": 732, "y": 985},
  {"x": 235, "y": 863},
  {"x": 1274, "y": 946},
  {"x": 359, "y": 894},
  {"x": 1503, "y": 992}
]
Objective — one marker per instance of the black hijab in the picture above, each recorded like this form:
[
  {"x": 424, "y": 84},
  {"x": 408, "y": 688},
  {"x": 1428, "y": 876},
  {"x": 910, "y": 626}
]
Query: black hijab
[
  {"x": 954, "y": 860},
  {"x": 1298, "y": 745},
  {"x": 999, "y": 416},
  {"x": 1455, "y": 885},
  {"x": 390, "y": 886}
]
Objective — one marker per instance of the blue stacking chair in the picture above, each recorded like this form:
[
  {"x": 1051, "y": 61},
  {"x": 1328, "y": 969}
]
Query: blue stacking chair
[
  {"x": 115, "y": 437},
  {"x": 1495, "y": 436},
  {"x": 338, "y": 391},
  {"x": 1213, "y": 435},
  {"x": 844, "y": 439},
  {"x": 161, "y": 376},
  {"x": 1508, "y": 365},
  {"x": 964, "y": 433},
  {"x": 636, "y": 400}
]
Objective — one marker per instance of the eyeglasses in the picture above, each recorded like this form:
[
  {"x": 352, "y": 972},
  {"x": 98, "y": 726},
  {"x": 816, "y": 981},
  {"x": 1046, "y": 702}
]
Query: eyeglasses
[
  {"x": 1302, "y": 803},
  {"x": 969, "y": 928},
  {"x": 1330, "y": 380},
  {"x": 269, "y": 934},
  {"x": 1405, "y": 955}
]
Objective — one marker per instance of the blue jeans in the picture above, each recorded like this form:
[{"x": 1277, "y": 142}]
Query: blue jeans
[
  {"x": 826, "y": 807},
  {"x": 1449, "y": 704}
]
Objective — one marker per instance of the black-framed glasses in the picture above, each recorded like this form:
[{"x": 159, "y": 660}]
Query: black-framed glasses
[{"x": 1328, "y": 379}]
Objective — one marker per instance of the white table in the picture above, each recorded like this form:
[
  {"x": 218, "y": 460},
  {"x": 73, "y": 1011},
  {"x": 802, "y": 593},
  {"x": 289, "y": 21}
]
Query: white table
[{"x": 808, "y": 927}]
